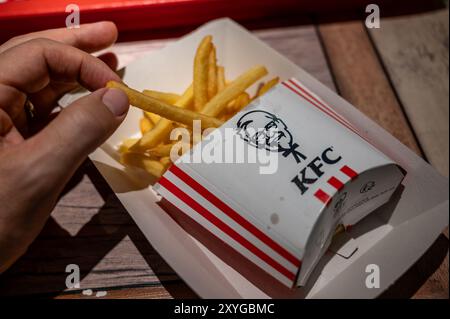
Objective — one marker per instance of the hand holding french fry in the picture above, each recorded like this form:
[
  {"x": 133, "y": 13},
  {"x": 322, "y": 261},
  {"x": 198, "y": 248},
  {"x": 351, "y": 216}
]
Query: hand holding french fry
[{"x": 168, "y": 111}]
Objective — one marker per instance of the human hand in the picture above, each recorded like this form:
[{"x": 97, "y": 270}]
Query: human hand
[{"x": 35, "y": 166}]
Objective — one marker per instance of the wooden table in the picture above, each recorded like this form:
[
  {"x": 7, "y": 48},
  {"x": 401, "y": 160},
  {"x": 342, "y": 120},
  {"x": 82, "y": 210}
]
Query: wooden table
[{"x": 397, "y": 75}]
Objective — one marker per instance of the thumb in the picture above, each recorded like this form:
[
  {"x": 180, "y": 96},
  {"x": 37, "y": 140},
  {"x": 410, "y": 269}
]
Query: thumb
[{"x": 79, "y": 129}]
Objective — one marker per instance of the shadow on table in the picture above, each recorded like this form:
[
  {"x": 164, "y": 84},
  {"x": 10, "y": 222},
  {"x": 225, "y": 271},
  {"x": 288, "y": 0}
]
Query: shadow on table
[
  {"x": 411, "y": 281},
  {"x": 42, "y": 269}
]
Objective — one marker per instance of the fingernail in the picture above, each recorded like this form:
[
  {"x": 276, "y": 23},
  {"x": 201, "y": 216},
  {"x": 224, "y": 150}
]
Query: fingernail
[{"x": 116, "y": 101}]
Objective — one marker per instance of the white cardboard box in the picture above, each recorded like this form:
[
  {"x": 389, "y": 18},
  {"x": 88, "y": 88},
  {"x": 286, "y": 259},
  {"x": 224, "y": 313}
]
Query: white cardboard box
[
  {"x": 275, "y": 181},
  {"x": 392, "y": 238}
]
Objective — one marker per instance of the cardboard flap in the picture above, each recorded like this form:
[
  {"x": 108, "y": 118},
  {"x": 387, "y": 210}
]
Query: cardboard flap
[{"x": 343, "y": 245}]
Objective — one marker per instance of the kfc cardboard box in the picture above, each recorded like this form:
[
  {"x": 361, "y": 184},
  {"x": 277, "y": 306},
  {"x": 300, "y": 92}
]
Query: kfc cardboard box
[
  {"x": 392, "y": 238},
  {"x": 280, "y": 212}
]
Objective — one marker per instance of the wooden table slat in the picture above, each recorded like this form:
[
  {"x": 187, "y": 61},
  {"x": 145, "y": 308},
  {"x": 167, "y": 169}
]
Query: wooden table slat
[
  {"x": 361, "y": 80},
  {"x": 414, "y": 50}
]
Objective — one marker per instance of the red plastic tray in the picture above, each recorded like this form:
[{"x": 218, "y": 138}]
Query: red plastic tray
[
  {"x": 147, "y": 18},
  {"x": 138, "y": 19}
]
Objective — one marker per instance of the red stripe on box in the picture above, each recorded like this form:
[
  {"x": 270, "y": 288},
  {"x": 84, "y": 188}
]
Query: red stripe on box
[
  {"x": 213, "y": 199},
  {"x": 333, "y": 181},
  {"x": 322, "y": 196},
  {"x": 304, "y": 91},
  {"x": 345, "y": 123},
  {"x": 349, "y": 172},
  {"x": 321, "y": 108},
  {"x": 224, "y": 227}
]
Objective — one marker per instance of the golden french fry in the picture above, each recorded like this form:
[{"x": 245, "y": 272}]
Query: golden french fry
[
  {"x": 212, "y": 73},
  {"x": 163, "y": 127},
  {"x": 145, "y": 125},
  {"x": 221, "y": 83},
  {"x": 339, "y": 229},
  {"x": 126, "y": 144},
  {"x": 226, "y": 116},
  {"x": 211, "y": 96},
  {"x": 170, "y": 98},
  {"x": 238, "y": 103},
  {"x": 166, "y": 110},
  {"x": 179, "y": 148},
  {"x": 160, "y": 150},
  {"x": 242, "y": 101},
  {"x": 154, "y": 118},
  {"x": 163, "y": 150},
  {"x": 268, "y": 85},
  {"x": 152, "y": 166},
  {"x": 165, "y": 161},
  {"x": 232, "y": 91},
  {"x": 201, "y": 73},
  {"x": 230, "y": 106}
]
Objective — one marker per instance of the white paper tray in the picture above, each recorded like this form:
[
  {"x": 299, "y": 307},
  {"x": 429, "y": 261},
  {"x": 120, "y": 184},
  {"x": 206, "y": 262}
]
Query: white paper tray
[{"x": 393, "y": 238}]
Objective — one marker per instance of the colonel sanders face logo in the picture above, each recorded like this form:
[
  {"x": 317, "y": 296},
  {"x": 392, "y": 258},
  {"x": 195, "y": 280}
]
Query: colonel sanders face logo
[{"x": 264, "y": 130}]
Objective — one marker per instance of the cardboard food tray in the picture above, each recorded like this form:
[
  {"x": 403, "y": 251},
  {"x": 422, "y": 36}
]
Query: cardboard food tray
[{"x": 392, "y": 238}]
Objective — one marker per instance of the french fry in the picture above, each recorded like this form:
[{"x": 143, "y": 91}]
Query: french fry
[
  {"x": 221, "y": 82},
  {"x": 165, "y": 161},
  {"x": 163, "y": 127},
  {"x": 200, "y": 82},
  {"x": 244, "y": 100},
  {"x": 164, "y": 150},
  {"x": 230, "y": 106},
  {"x": 226, "y": 116},
  {"x": 160, "y": 150},
  {"x": 215, "y": 106},
  {"x": 339, "y": 229},
  {"x": 152, "y": 166},
  {"x": 154, "y": 118},
  {"x": 210, "y": 95},
  {"x": 238, "y": 103},
  {"x": 126, "y": 144},
  {"x": 145, "y": 125},
  {"x": 170, "y": 98},
  {"x": 268, "y": 85},
  {"x": 212, "y": 73},
  {"x": 166, "y": 110}
]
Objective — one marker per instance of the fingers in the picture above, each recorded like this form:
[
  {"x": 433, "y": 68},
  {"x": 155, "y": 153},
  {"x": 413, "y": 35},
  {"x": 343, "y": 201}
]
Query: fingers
[
  {"x": 89, "y": 37},
  {"x": 43, "y": 59},
  {"x": 8, "y": 133},
  {"x": 46, "y": 99},
  {"x": 78, "y": 130},
  {"x": 12, "y": 101},
  {"x": 110, "y": 59}
]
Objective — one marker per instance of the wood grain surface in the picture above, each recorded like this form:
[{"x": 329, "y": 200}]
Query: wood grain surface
[
  {"x": 414, "y": 50},
  {"x": 90, "y": 227},
  {"x": 361, "y": 79}
]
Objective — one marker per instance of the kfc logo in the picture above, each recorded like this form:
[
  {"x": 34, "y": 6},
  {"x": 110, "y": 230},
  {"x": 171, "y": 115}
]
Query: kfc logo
[{"x": 264, "y": 130}]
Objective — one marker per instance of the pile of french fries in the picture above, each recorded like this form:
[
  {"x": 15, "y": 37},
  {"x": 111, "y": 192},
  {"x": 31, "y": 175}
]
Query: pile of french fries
[{"x": 210, "y": 98}]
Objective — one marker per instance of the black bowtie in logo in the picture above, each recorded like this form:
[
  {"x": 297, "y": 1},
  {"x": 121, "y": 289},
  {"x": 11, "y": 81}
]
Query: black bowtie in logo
[
  {"x": 292, "y": 150},
  {"x": 262, "y": 129}
]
